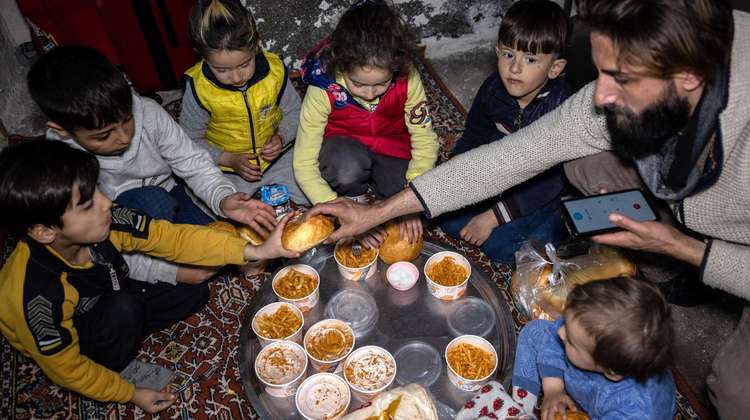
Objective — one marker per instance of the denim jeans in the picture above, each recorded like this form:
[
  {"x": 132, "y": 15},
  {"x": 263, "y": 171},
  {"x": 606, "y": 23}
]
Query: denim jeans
[
  {"x": 544, "y": 225},
  {"x": 175, "y": 206}
]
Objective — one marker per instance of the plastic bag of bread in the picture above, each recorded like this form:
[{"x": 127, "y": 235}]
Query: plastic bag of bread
[
  {"x": 405, "y": 403},
  {"x": 541, "y": 281}
]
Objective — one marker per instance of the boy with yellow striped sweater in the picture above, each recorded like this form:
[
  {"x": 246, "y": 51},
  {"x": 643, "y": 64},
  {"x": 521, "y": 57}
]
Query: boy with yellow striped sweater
[{"x": 65, "y": 296}]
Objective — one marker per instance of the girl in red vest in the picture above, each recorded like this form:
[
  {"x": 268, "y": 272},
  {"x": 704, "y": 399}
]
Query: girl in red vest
[{"x": 364, "y": 122}]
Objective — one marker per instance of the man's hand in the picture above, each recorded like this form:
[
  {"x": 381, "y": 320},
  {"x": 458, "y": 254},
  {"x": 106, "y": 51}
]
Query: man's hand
[
  {"x": 354, "y": 218},
  {"x": 411, "y": 227},
  {"x": 556, "y": 400},
  {"x": 272, "y": 247},
  {"x": 479, "y": 228},
  {"x": 254, "y": 213},
  {"x": 272, "y": 149},
  {"x": 242, "y": 163},
  {"x": 152, "y": 401},
  {"x": 195, "y": 275},
  {"x": 653, "y": 237}
]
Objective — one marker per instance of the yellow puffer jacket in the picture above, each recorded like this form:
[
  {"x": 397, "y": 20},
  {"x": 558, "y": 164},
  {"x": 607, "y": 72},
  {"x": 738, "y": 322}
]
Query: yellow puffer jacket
[{"x": 242, "y": 121}]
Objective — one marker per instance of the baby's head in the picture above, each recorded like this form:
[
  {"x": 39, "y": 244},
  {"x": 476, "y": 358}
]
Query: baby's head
[
  {"x": 85, "y": 97},
  {"x": 370, "y": 46},
  {"x": 619, "y": 327},
  {"x": 223, "y": 32},
  {"x": 530, "y": 42}
]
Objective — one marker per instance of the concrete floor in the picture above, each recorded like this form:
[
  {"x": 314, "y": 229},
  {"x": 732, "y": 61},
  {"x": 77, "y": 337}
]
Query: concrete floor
[{"x": 699, "y": 330}]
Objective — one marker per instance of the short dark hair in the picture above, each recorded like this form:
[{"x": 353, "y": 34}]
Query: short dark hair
[
  {"x": 535, "y": 26},
  {"x": 665, "y": 36},
  {"x": 372, "y": 34},
  {"x": 79, "y": 88},
  {"x": 630, "y": 322},
  {"x": 222, "y": 25},
  {"x": 37, "y": 179}
]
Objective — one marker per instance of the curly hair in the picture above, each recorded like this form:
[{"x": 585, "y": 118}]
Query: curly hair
[
  {"x": 222, "y": 25},
  {"x": 371, "y": 34},
  {"x": 630, "y": 322}
]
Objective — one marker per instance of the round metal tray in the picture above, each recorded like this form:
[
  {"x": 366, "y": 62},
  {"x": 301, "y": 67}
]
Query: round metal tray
[{"x": 403, "y": 318}]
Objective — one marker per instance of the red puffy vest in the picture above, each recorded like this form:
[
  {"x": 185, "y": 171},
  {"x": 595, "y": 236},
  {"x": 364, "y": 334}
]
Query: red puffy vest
[{"x": 383, "y": 131}]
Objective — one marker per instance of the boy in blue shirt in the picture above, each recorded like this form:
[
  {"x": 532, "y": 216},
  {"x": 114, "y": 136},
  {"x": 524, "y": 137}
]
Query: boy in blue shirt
[{"x": 526, "y": 86}]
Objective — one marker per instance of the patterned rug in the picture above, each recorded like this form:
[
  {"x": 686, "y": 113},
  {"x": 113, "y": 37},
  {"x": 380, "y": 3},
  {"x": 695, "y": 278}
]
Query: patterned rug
[{"x": 203, "y": 349}]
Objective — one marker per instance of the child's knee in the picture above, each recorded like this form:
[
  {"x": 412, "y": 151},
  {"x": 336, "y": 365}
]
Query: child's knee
[{"x": 154, "y": 201}]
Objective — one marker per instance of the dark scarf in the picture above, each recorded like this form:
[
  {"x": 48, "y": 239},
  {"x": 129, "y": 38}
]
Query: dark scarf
[{"x": 690, "y": 161}]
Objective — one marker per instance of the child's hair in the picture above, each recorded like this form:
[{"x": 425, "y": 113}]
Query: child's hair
[
  {"x": 79, "y": 88},
  {"x": 371, "y": 34},
  {"x": 37, "y": 179},
  {"x": 534, "y": 26},
  {"x": 630, "y": 322},
  {"x": 222, "y": 25}
]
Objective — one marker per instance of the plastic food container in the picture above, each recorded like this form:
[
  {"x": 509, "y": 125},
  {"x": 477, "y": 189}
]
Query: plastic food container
[
  {"x": 471, "y": 316},
  {"x": 356, "y": 307},
  {"x": 466, "y": 384},
  {"x": 323, "y": 332},
  {"x": 356, "y": 273},
  {"x": 281, "y": 367},
  {"x": 369, "y": 371},
  {"x": 323, "y": 396},
  {"x": 304, "y": 303},
  {"x": 270, "y": 309},
  {"x": 402, "y": 275},
  {"x": 418, "y": 363},
  {"x": 447, "y": 292}
]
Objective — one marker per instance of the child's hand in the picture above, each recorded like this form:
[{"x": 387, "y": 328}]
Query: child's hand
[
  {"x": 272, "y": 149},
  {"x": 271, "y": 248},
  {"x": 254, "y": 213},
  {"x": 411, "y": 227},
  {"x": 152, "y": 401},
  {"x": 373, "y": 238},
  {"x": 242, "y": 163},
  {"x": 479, "y": 228},
  {"x": 556, "y": 400}
]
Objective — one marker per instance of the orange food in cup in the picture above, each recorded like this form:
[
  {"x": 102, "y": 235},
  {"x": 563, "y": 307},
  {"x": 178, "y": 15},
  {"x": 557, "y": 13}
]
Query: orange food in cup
[
  {"x": 295, "y": 285},
  {"x": 447, "y": 272},
  {"x": 281, "y": 324},
  {"x": 470, "y": 362}
]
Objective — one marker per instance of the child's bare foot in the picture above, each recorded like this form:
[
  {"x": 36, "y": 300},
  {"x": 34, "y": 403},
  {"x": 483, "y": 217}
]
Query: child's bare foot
[{"x": 479, "y": 228}]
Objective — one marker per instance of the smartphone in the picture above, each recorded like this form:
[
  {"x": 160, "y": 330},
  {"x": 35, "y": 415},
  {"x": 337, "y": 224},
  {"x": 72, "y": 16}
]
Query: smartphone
[{"x": 589, "y": 216}]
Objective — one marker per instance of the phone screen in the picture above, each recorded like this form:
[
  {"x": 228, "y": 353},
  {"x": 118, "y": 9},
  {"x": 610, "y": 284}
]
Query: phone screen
[{"x": 590, "y": 215}]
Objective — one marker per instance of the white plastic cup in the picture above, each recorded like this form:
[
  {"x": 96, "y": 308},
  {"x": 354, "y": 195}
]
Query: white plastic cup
[
  {"x": 367, "y": 379},
  {"x": 447, "y": 292},
  {"x": 321, "y": 327},
  {"x": 304, "y": 303},
  {"x": 354, "y": 273},
  {"x": 323, "y": 396},
  {"x": 270, "y": 309},
  {"x": 470, "y": 385},
  {"x": 290, "y": 376},
  {"x": 402, "y": 275}
]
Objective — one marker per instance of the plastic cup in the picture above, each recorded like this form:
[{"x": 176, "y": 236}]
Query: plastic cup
[
  {"x": 316, "y": 332},
  {"x": 447, "y": 292},
  {"x": 402, "y": 275},
  {"x": 465, "y": 384},
  {"x": 304, "y": 303},
  {"x": 323, "y": 396},
  {"x": 281, "y": 367},
  {"x": 356, "y": 307},
  {"x": 354, "y": 273},
  {"x": 369, "y": 370},
  {"x": 270, "y": 309}
]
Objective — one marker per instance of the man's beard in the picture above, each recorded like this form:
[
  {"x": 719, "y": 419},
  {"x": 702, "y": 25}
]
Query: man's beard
[{"x": 636, "y": 136}]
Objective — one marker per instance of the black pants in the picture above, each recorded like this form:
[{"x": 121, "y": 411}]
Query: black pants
[
  {"x": 110, "y": 333},
  {"x": 350, "y": 167}
]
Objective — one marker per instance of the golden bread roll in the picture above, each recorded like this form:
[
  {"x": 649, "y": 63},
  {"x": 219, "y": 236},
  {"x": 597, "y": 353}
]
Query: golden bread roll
[
  {"x": 572, "y": 415},
  {"x": 395, "y": 249},
  {"x": 223, "y": 226},
  {"x": 249, "y": 234},
  {"x": 299, "y": 235}
]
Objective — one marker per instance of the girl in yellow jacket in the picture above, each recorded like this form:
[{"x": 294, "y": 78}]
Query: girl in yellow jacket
[{"x": 239, "y": 103}]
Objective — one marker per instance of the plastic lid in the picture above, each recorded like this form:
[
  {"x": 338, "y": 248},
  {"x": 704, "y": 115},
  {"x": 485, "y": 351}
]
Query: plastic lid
[
  {"x": 355, "y": 307},
  {"x": 417, "y": 362},
  {"x": 472, "y": 316}
]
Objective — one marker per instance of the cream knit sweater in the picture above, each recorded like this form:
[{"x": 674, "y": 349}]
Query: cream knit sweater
[{"x": 721, "y": 213}]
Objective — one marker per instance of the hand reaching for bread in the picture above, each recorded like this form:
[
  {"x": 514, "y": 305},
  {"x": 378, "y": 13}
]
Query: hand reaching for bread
[{"x": 272, "y": 247}]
